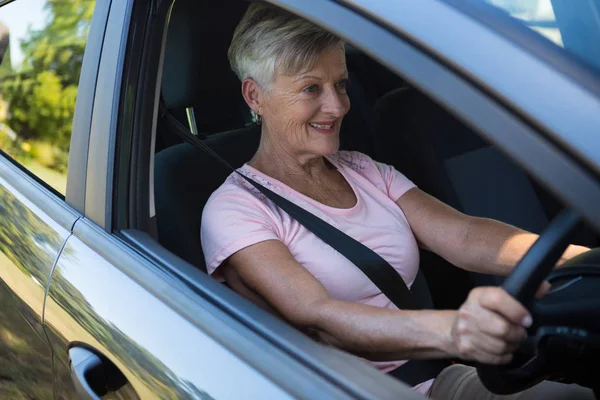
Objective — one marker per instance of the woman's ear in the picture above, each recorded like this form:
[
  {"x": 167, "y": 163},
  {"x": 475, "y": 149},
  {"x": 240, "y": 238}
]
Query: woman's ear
[{"x": 253, "y": 95}]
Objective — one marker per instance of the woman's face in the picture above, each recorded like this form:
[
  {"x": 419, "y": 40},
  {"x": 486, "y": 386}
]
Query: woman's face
[{"x": 303, "y": 113}]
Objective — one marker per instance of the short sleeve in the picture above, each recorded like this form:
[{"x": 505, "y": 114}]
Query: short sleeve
[
  {"x": 395, "y": 183},
  {"x": 232, "y": 220}
]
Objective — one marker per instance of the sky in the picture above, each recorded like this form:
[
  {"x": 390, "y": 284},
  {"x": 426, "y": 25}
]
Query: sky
[{"x": 18, "y": 15}]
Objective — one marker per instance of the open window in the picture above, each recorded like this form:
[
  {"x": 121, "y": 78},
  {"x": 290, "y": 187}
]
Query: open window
[
  {"x": 163, "y": 184},
  {"x": 389, "y": 120}
]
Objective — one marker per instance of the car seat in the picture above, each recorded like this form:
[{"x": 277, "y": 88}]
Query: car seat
[{"x": 445, "y": 158}]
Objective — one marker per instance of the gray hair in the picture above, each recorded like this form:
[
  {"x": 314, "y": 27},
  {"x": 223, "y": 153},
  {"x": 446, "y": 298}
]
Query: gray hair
[{"x": 269, "y": 40}]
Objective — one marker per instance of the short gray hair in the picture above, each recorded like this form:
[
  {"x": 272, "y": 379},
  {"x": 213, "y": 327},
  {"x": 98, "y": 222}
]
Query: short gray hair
[{"x": 269, "y": 40}]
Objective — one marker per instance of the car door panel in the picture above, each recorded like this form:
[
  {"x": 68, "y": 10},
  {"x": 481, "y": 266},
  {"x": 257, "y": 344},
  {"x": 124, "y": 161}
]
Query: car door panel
[
  {"x": 96, "y": 300},
  {"x": 30, "y": 241},
  {"x": 23, "y": 352}
]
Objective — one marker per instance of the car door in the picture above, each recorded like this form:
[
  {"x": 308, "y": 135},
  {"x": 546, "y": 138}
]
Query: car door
[{"x": 37, "y": 92}]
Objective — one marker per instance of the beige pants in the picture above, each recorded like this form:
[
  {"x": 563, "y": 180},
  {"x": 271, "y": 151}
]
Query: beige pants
[{"x": 458, "y": 382}]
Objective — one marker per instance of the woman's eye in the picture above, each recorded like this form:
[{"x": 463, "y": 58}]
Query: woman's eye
[
  {"x": 311, "y": 89},
  {"x": 343, "y": 84}
]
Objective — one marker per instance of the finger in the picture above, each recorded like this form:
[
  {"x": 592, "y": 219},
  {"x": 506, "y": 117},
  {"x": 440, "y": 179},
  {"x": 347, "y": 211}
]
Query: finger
[
  {"x": 475, "y": 342},
  {"x": 490, "y": 323},
  {"x": 498, "y": 300},
  {"x": 491, "y": 359},
  {"x": 543, "y": 289},
  {"x": 470, "y": 350},
  {"x": 493, "y": 346}
]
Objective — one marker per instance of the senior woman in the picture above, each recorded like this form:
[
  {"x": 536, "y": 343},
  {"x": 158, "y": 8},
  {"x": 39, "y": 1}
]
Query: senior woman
[{"x": 294, "y": 80}]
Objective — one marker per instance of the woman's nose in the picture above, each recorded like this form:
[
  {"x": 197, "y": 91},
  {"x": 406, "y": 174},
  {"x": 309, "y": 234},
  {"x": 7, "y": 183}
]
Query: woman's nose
[{"x": 336, "y": 103}]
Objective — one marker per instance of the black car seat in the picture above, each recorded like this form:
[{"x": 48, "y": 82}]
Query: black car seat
[
  {"x": 447, "y": 159},
  {"x": 451, "y": 162},
  {"x": 196, "y": 73},
  {"x": 184, "y": 176}
]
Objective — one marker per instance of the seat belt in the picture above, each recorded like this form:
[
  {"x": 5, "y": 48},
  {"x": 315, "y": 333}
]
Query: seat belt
[{"x": 379, "y": 271}]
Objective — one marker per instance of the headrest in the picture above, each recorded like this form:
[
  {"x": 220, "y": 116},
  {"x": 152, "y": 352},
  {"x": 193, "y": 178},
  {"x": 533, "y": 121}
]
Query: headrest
[{"x": 196, "y": 72}]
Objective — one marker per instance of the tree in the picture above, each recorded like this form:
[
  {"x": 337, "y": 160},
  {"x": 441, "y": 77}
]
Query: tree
[
  {"x": 42, "y": 93},
  {"x": 5, "y": 62},
  {"x": 59, "y": 45}
]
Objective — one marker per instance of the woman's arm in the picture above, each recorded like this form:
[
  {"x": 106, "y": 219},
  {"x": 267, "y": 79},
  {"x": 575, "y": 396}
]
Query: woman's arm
[
  {"x": 268, "y": 271},
  {"x": 475, "y": 244}
]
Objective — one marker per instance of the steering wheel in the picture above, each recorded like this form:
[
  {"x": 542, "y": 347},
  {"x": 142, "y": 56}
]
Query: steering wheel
[{"x": 564, "y": 341}]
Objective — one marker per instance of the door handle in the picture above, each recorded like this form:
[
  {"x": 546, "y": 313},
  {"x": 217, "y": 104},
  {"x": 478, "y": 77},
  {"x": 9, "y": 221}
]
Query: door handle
[
  {"x": 93, "y": 375},
  {"x": 87, "y": 373}
]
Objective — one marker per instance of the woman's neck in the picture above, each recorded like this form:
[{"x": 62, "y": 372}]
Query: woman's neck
[{"x": 287, "y": 166}]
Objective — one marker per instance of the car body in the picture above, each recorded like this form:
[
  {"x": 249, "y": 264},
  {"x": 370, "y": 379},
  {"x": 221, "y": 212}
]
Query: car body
[{"x": 83, "y": 271}]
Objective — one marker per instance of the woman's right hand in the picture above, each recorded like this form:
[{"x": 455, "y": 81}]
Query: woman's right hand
[{"x": 489, "y": 326}]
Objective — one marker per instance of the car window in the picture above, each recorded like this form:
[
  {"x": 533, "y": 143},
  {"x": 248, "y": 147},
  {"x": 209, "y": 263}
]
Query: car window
[
  {"x": 570, "y": 25},
  {"x": 537, "y": 15},
  {"x": 41, "y": 51}
]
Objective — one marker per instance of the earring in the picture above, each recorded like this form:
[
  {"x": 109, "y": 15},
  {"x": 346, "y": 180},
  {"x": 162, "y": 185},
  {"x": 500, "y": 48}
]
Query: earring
[{"x": 256, "y": 118}]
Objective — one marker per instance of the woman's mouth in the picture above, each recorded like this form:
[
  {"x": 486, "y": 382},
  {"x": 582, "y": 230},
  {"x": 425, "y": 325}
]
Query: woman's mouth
[{"x": 323, "y": 127}]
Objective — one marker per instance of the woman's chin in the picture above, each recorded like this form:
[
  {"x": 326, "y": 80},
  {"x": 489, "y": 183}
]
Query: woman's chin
[
  {"x": 328, "y": 149},
  {"x": 321, "y": 147},
  {"x": 332, "y": 144}
]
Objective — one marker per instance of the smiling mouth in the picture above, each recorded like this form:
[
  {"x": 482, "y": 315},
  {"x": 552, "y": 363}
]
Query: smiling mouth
[
  {"x": 319, "y": 126},
  {"x": 323, "y": 128}
]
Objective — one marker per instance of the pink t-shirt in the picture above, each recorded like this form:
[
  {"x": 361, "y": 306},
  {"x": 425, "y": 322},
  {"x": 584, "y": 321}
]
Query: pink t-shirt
[{"x": 237, "y": 215}]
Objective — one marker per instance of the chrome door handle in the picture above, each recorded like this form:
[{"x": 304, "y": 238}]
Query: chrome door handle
[{"x": 87, "y": 373}]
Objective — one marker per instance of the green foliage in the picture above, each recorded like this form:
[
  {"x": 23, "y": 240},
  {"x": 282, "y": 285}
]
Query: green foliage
[
  {"x": 24, "y": 237},
  {"x": 50, "y": 156},
  {"x": 41, "y": 107},
  {"x": 7, "y": 144},
  {"x": 42, "y": 92},
  {"x": 6, "y": 63}
]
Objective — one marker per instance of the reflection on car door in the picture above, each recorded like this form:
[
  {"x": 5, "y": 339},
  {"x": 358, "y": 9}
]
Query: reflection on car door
[
  {"x": 107, "y": 299},
  {"x": 30, "y": 241}
]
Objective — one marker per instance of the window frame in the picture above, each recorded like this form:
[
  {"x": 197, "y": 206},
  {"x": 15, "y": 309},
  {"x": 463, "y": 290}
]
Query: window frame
[
  {"x": 99, "y": 180},
  {"x": 135, "y": 148},
  {"x": 131, "y": 227},
  {"x": 136, "y": 254},
  {"x": 559, "y": 58},
  {"x": 82, "y": 120}
]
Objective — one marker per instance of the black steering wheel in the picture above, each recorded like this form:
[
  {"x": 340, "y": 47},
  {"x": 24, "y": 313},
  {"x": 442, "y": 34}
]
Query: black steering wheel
[{"x": 564, "y": 341}]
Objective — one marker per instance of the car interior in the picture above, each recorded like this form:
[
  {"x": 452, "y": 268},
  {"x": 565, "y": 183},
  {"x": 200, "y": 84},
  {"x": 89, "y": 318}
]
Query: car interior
[{"x": 389, "y": 120}]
